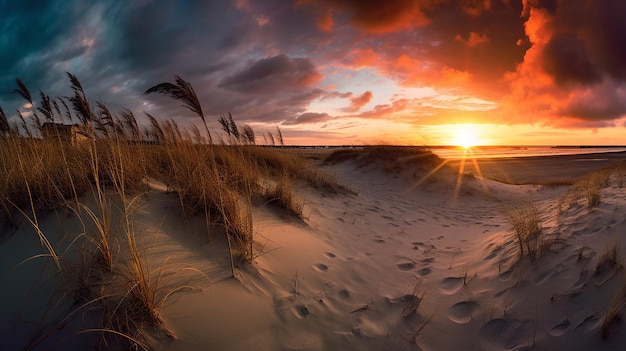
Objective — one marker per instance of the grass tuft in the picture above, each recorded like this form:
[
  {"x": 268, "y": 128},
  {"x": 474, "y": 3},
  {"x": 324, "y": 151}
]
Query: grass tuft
[
  {"x": 612, "y": 314},
  {"x": 527, "y": 230}
]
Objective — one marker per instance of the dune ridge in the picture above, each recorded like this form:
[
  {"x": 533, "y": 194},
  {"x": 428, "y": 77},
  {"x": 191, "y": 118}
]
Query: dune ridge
[{"x": 396, "y": 261}]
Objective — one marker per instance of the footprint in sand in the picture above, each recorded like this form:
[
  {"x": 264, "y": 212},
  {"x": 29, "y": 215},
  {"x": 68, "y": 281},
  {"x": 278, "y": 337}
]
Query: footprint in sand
[
  {"x": 560, "y": 328},
  {"x": 406, "y": 266},
  {"x": 505, "y": 334},
  {"x": 320, "y": 267},
  {"x": 462, "y": 312},
  {"x": 344, "y": 294},
  {"x": 428, "y": 260},
  {"x": 591, "y": 322},
  {"x": 302, "y": 311},
  {"x": 451, "y": 285},
  {"x": 330, "y": 255},
  {"x": 424, "y": 271}
]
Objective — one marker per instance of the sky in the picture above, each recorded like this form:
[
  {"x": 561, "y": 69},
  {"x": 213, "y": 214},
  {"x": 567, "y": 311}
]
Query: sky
[{"x": 333, "y": 72}]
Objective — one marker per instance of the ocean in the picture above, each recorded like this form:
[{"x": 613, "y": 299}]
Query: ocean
[{"x": 450, "y": 152}]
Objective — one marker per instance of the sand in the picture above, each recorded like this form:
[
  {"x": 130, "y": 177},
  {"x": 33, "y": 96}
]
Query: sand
[{"x": 402, "y": 262}]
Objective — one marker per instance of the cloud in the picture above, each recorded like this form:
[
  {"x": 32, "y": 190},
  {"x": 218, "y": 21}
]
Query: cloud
[
  {"x": 385, "y": 110},
  {"x": 559, "y": 63},
  {"x": 473, "y": 39},
  {"x": 570, "y": 75},
  {"x": 336, "y": 95},
  {"x": 371, "y": 15},
  {"x": 566, "y": 59},
  {"x": 359, "y": 101},
  {"x": 273, "y": 74},
  {"x": 309, "y": 117}
]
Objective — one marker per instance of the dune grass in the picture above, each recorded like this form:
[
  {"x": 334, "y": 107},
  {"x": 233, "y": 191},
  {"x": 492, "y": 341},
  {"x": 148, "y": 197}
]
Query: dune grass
[
  {"x": 100, "y": 173},
  {"x": 609, "y": 257},
  {"x": 615, "y": 307},
  {"x": 527, "y": 230}
]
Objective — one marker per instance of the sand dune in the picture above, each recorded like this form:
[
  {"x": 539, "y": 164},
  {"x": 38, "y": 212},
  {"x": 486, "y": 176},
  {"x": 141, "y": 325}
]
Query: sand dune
[{"x": 399, "y": 262}]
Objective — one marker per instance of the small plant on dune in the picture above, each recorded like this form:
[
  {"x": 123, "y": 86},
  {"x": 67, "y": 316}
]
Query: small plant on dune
[
  {"x": 610, "y": 257},
  {"x": 593, "y": 196},
  {"x": 620, "y": 174},
  {"x": 413, "y": 300},
  {"x": 592, "y": 184},
  {"x": 527, "y": 230},
  {"x": 140, "y": 305},
  {"x": 103, "y": 230},
  {"x": 612, "y": 314},
  {"x": 282, "y": 196}
]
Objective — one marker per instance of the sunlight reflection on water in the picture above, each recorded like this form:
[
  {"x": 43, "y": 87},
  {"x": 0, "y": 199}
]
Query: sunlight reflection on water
[{"x": 526, "y": 151}]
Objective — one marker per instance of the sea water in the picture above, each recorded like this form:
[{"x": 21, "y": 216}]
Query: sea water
[{"x": 519, "y": 151}]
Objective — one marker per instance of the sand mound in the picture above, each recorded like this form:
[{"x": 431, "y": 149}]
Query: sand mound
[{"x": 390, "y": 266}]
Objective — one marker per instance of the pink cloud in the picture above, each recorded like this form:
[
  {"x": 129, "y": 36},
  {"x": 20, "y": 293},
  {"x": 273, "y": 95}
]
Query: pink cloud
[{"x": 359, "y": 101}]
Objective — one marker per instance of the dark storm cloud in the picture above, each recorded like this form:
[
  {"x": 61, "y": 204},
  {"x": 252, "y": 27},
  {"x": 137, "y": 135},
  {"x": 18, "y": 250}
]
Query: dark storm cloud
[
  {"x": 263, "y": 60},
  {"x": 273, "y": 74},
  {"x": 373, "y": 15},
  {"x": 581, "y": 45},
  {"x": 566, "y": 58},
  {"x": 119, "y": 49},
  {"x": 605, "y": 102}
]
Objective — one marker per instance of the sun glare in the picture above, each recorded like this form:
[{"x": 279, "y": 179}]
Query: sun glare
[{"x": 466, "y": 136}]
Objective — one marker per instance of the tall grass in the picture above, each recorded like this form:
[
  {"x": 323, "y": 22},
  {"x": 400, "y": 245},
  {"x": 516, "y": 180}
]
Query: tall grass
[{"x": 104, "y": 270}]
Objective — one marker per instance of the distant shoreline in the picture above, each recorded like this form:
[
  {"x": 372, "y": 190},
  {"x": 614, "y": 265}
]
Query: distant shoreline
[{"x": 541, "y": 169}]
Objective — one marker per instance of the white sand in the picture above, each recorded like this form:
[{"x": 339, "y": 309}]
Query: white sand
[{"x": 342, "y": 278}]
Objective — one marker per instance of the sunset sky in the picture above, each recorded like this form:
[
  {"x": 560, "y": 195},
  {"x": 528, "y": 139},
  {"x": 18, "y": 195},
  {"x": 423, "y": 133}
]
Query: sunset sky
[{"x": 339, "y": 71}]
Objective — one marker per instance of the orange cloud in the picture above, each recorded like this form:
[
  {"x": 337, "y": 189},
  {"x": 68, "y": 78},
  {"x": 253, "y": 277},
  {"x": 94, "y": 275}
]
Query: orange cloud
[
  {"x": 375, "y": 16},
  {"x": 476, "y": 7},
  {"x": 325, "y": 22},
  {"x": 416, "y": 72},
  {"x": 385, "y": 110},
  {"x": 361, "y": 58},
  {"x": 473, "y": 39},
  {"x": 359, "y": 101},
  {"x": 562, "y": 81}
]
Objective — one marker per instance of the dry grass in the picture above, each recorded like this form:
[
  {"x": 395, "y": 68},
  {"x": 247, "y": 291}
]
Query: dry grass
[
  {"x": 590, "y": 186},
  {"x": 612, "y": 314},
  {"x": 282, "y": 196},
  {"x": 107, "y": 277},
  {"x": 413, "y": 300},
  {"x": 609, "y": 257},
  {"x": 527, "y": 230}
]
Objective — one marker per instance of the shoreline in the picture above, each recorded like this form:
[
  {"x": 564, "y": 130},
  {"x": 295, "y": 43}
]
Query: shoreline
[{"x": 539, "y": 169}]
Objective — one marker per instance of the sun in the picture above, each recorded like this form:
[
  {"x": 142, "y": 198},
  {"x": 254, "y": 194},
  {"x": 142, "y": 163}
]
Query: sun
[{"x": 466, "y": 136}]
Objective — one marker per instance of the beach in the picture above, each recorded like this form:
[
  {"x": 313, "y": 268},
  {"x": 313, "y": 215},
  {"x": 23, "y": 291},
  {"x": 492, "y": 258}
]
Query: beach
[{"x": 406, "y": 255}]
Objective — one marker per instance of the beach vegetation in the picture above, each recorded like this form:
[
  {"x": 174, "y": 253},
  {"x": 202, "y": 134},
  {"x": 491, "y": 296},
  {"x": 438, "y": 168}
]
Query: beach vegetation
[
  {"x": 609, "y": 257},
  {"x": 612, "y": 314},
  {"x": 98, "y": 171},
  {"x": 413, "y": 299},
  {"x": 527, "y": 230}
]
